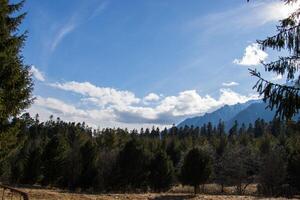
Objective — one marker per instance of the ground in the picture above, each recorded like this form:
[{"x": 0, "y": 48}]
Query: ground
[{"x": 177, "y": 194}]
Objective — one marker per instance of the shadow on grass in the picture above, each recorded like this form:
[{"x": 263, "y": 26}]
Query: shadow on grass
[{"x": 173, "y": 197}]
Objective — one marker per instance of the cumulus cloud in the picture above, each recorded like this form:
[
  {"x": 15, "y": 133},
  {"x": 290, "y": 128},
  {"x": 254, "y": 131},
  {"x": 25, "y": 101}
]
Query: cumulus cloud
[
  {"x": 151, "y": 97},
  {"x": 172, "y": 109},
  {"x": 52, "y": 106},
  {"x": 111, "y": 107},
  {"x": 230, "y": 84},
  {"x": 102, "y": 96},
  {"x": 253, "y": 56},
  {"x": 36, "y": 73},
  {"x": 278, "y": 10}
]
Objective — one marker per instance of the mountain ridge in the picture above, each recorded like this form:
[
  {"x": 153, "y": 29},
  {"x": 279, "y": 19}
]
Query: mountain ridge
[{"x": 246, "y": 113}]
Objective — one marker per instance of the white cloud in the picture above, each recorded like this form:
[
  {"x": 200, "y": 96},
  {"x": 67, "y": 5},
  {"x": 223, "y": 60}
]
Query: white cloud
[
  {"x": 230, "y": 84},
  {"x": 253, "y": 56},
  {"x": 66, "y": 111},
  {"x": 151, "y": 97},
  {"x": 172, "y": 109},
  {"x": 102, "y": 96},
  {"x": 36, "y": 73},
  {"x": 111, "y": 107},
  {"x": 229, "y": 97},
  {"x": 278, "y": 10}
]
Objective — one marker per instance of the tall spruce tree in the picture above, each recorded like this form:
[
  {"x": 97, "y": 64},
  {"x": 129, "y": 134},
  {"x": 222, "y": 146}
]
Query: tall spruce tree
[
  {"x": 196, "y": 168},
  {"x": 284, "y": 98},
  {"x": 15, "y": 80}
]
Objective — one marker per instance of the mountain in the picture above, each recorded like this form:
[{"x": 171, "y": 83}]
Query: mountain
[
  {"x": 250, "y": 114},
  {"x": 242, "y": 113},
  {"x": 225, "y": 113}
]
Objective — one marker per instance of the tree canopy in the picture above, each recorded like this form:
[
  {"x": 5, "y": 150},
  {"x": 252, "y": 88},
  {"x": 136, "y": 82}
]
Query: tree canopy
[
  {"x": 284, "y": 98},
  {"x": 15, "y": 79}
]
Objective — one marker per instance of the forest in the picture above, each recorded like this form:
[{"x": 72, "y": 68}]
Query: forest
[
  {"x": 77, "y": 157},
  {"x": 74, "y": 156}
]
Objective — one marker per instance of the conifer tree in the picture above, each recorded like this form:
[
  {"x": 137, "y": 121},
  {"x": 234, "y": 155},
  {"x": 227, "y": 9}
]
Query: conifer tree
[
  {"x": 15, "y": 80},
  {"x": 196, "y": 168},
  {"x": 161, "y": 172},
  {"x": 284, "y": 98}
]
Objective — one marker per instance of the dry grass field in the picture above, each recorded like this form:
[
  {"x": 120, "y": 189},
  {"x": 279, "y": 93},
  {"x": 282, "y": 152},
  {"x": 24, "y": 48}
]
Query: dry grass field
[{"x": 177, "y": 193}]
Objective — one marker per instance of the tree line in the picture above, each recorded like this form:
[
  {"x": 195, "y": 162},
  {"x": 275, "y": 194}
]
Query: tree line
[{"x": 74, "y": 156}]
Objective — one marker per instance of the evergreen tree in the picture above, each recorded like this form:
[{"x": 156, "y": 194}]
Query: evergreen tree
[
  {"x": 234, "y": 130},
  {"x": 293, "y": 169},
  {"x": 133, "y": 164},
  {"x": 272, "y": 173},
  {"x": 196, "y": 168},
  {"x": 221, "y": 128},
  {"x": 283, "y": 98},
  {"x": 88, "y": 162},
  {"x": 161, "y": 172},
  {"x": 53, "y": 158},
  {"x": 16, "y": 83},
  {"x": 174, "y": 152}
]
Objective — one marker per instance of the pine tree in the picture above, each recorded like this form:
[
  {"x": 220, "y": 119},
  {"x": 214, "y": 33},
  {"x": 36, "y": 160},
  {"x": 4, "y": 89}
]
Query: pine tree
[
  {"x": 161, "y": 172},
  {"x": 285, "y": 98},
  {"x": 196, "y": 168},
  {"x": 133, "y": 164},
  {"x": 15, "y": 80}
]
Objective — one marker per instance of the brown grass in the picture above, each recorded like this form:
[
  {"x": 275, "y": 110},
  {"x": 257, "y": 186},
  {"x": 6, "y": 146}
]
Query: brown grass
[{"x": 177, "y": 193}]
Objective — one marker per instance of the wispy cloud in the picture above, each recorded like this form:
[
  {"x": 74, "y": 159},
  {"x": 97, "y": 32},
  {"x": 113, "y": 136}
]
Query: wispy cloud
[
  {"x": 253, "y": 56},
  {"x": 62, "y": 33},
  {"x": 77, "y": 18},
  {"x": 249, "y": 15},
  {"x": 99, "y": 9},
  {"x": 230, "y": 84},
  {"x": 36, "y": 73}
]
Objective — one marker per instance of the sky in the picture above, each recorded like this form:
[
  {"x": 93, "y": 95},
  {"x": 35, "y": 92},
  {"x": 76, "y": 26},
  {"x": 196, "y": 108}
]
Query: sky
[{"x": 116, "y": 63}]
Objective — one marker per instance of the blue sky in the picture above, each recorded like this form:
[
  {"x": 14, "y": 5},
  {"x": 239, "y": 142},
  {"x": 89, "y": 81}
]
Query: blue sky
[{"x": 144, "y": 62}]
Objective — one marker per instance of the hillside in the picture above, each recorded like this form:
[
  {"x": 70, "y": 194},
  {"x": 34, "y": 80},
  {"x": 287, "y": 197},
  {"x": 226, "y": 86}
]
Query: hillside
[
  {"x": 242, "y": 113},
  {"x": 224, "y": 113}
]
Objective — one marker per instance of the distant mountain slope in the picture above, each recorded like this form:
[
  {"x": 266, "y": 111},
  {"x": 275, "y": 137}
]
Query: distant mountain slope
[
  {"x": 243, "y": 113},
  {"x": 224, "y": 113},
  {"x": 250, "y": 114}
]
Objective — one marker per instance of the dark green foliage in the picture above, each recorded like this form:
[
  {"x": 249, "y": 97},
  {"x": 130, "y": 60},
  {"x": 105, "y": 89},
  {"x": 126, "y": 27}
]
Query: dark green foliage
[
  {"x": 239, "y": 167},
  {"x": 196, "y": 168},
  {"x": 294, "y": 171},
  {"x": 73, "y": 156},
  {"x": 174, "y": 152},
  {"x": 133, "y": 165},
  {"x": 272, "y": 174},
  {"x": 284, "y": 99},
  {"x": 161, "y": 172},
  {"x": 16, "y": 83},
  {"x": 233, "y": 130},
  {"x": 54, "y": 156},
  {"x": 89, "y": 172}
]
